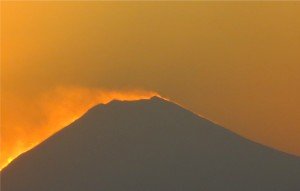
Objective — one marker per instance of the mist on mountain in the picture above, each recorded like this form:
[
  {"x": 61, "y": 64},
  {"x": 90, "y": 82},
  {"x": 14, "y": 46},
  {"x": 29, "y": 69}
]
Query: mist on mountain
[{"x": 149, "y": 145}]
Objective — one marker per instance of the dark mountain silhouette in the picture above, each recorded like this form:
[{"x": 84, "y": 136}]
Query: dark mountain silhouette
[{"x": 149, "y": 145}]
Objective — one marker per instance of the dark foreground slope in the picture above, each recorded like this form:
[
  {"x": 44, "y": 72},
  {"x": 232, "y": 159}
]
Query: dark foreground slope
[{"x": 149, "y": 145}]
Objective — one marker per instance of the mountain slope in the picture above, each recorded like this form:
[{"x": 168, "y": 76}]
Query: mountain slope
[{"x": 149, "y": 145}]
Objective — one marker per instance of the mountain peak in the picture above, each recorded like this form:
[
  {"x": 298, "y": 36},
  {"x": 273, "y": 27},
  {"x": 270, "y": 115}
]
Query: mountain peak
[
  {"x": 119, "y": 104},
  {"x": 153, "y": 104},
  {"x": 149, "y": 144},
  {"x": 151, "y": 99}
]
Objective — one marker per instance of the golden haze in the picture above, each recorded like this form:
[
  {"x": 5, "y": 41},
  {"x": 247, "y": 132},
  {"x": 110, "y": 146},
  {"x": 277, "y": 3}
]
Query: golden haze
[{"x": 235, "y": 62}]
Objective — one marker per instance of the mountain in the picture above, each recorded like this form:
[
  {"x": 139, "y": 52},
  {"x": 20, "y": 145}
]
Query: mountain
[{"x": 149, "y": 145}]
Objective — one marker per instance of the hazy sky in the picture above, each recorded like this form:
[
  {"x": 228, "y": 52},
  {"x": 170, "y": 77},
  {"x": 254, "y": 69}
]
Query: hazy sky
[{"x": 235, "y": 63}]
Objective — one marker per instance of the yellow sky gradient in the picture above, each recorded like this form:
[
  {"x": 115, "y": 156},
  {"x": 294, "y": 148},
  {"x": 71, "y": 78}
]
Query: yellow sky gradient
[{"x": 236, "y": 63}]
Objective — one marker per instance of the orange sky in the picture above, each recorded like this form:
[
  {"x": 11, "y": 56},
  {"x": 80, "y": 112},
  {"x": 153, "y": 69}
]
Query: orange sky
[{"x": 233, "y": 62}]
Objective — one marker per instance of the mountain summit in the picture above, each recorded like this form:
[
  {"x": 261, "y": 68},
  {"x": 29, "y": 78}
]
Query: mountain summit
[{"x": 149, "y": 145}]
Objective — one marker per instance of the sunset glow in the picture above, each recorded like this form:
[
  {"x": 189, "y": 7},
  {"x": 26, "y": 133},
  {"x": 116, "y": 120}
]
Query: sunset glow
[
  {"x": 234, "y": 62},
  {"x": 52, "y": 112}
]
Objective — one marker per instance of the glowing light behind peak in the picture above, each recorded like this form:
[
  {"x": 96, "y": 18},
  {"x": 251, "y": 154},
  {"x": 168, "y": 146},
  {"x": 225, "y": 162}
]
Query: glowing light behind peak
[{"x": 54, "y": 110}]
